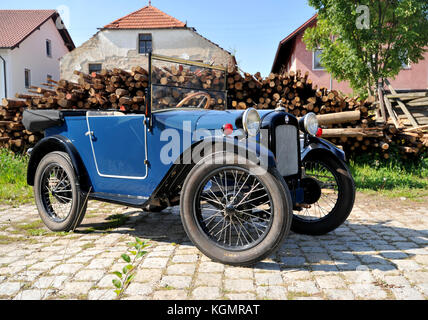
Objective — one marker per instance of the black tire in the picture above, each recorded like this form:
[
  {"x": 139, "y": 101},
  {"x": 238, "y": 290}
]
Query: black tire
[
  {"x": 56, "y": 163},
  {"x": 335, "y": 214},
  {"x": 272, "y": 187}
]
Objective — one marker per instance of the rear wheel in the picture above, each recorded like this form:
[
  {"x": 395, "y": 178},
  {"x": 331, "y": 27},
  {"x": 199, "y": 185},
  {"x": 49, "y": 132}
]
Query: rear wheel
[
  {"x": 59, "y": 200},
  {"x": 335, "y": 195},
  {"x": 234, "y": 215}
]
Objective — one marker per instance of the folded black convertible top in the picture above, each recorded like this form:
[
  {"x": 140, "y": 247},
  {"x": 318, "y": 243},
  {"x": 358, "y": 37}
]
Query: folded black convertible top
[{"x": 40, "y": 120}]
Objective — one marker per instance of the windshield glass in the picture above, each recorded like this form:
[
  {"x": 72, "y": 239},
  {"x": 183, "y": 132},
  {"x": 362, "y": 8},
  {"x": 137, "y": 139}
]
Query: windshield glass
[{"x": 180, "y": 83}]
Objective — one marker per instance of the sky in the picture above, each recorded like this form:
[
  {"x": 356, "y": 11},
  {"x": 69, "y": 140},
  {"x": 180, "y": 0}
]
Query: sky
[{"x": 249, "y": 28}]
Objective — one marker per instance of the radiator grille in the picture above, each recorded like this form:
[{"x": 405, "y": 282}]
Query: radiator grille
[{"x": 287, "y": 152}]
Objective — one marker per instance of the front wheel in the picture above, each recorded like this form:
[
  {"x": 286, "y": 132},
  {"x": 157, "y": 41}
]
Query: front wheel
[
  {"x": 233, "y": 214},
  {"x": 332, "y": 193},
  {"x": 59, "y": 200}
]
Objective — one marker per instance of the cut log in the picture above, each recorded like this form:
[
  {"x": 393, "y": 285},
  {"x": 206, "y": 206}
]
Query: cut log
[{"x": 337, "y": 118}]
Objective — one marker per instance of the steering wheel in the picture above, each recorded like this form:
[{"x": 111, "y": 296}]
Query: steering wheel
[{"x": 194, "y": 95}]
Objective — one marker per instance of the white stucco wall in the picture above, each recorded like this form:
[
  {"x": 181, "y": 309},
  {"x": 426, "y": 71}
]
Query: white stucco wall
[
  {"x": 4, "y": 53},
  {"x": 31, "y": 54},
  {"x": 119, "y": 49}
]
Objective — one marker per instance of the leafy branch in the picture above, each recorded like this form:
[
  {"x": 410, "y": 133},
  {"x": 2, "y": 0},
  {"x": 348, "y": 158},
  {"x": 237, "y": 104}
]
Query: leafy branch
[{"x": 128, "y": 272}]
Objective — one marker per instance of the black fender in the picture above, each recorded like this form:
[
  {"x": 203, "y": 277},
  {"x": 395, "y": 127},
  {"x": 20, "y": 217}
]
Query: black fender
[
  {"x": 249, "y": 149},
  {"x": 317, "y": 145},
  {"x": 57, "y": 143}
]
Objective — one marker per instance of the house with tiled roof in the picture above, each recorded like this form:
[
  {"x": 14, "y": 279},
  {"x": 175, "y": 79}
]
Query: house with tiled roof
[
  {"x": 292, "y": 54},
  {"x": 31, "y": 45},
  {"x": 125, "y": 43}
]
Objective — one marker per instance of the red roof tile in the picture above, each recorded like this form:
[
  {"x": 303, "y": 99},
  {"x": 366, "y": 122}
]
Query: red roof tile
[
  {"x": 148, "y": 17},
  {"x": 16, "y": 25}
]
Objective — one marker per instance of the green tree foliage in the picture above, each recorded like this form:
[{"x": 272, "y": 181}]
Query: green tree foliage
[{"x": 366, "y": 41}]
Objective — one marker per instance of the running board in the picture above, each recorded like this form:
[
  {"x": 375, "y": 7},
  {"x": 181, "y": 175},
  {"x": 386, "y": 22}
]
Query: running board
[{"x": 131, "y": 201}]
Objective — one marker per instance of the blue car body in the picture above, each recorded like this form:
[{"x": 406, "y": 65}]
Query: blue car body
[{"x": 116, "y": 155}]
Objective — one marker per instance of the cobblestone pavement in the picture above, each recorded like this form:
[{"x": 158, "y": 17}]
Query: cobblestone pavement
[{"x": 381, "y": 252}]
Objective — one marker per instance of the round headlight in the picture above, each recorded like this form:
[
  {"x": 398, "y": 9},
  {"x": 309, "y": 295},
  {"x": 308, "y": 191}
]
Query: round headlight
[
  {"x": 251, "y": 122},
  {"x": 310, "y": 123}
]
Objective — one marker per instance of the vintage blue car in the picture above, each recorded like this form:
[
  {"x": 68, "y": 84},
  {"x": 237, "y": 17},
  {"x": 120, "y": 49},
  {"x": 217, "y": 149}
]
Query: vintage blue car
[{"x": 242, "y": 178}]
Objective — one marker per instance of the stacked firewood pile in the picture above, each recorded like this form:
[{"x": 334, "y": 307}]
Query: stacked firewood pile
[
  {"x": 173, "y": 83},
  {"x": 12, "y": 133},
  {"x": 347, "y": 122}
]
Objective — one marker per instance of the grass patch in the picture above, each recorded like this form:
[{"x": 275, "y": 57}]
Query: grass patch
[
  {"x": 13, "y": 179},
  {"x": 392, "y": 178}
]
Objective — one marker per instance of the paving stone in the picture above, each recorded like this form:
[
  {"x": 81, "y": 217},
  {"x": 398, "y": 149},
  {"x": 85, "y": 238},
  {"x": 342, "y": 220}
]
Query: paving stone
[
  {"x": 307, "y": 287},
  {"x": 290, "y": 276},
  {"x": 106, "y": 281},
  {"x": 190, "y": 258},
  {"x": 139, "y": 289},
  {"x": 33, "y": 294},
  {"x": 105, "y": 294},
  {"x": 76, "y": 288},
  {"x": 240, "y": 285},
  {"x": 241, "y": 296},
  {"x": 272, "y": 292},
  {"x": 238, "y": 273},
  {"x": 394, "y": 254},
  {"x": 181, "y": 269},
  {"x": 177, "y": 282},
  {"x": 423, "y": 287},
  {"x": 157, "y": 254},
  {"x": 159, "y": 263},
  {"x": 293, "y": 261},
  {"x": 170, "y": 295},
  {"x": 100, "y": 264},
  {"x": 407, "y": 293},
  {"x": 27, "y": 275},
  {"x": 9, "y": 288},
  {"x": 368, "y": 291},
  {"x": 206, "y": 293},
  {"x": 148, "y": 275},
  {"x": 53, "y": 282},
  {"x": 406, "y": 265},
  {"x": 66, "y": 269},
  {"x": 89, "y": 275},
  {"x": 211, "y": 267},
  {"x": 209, "y": 280},
  {"x": 330, "y": 282},
  {"x": 268, "y": 279},
  {"x": 339, "y": 294}
]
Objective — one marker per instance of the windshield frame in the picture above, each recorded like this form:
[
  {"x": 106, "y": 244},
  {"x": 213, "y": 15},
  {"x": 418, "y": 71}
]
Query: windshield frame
[{"x": 156, "y": 57}]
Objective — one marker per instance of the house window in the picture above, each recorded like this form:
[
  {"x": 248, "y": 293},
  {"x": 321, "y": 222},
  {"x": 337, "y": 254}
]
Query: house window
[
  {"x": 95, "y": 67},
  {"x": 48, "y": 77},
  {"x": 27, "y": 78},
  {"x": 144, "y": 43},
  {"x": 49, "y": 48},
  {"x": 317, "y": 60}
]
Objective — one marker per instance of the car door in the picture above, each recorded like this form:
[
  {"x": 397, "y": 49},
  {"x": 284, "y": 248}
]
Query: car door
[{"x": 119, "y": 144}]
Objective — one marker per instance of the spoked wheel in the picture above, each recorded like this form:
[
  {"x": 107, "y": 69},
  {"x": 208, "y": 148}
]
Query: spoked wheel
[
  {"x": 58, "y": 198},
  {"x": 329, "y": 196},
  {"x": 234, "y": 215},
  {"x": 234, "y": 209}
]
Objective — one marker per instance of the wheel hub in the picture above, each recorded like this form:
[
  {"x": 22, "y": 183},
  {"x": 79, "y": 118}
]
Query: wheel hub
[{"x": 230, "y": 210}]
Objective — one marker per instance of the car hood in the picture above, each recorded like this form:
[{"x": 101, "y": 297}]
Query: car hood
[{"x": 214, "y": 120}]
